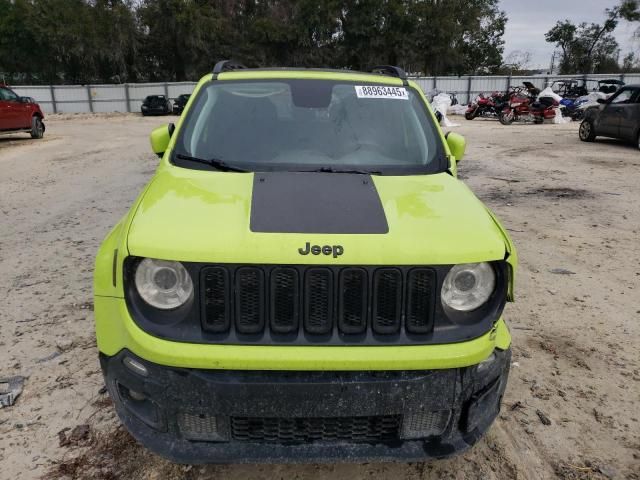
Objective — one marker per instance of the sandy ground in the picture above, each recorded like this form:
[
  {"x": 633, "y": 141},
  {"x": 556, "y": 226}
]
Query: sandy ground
[{"x": 568, "y": 205}]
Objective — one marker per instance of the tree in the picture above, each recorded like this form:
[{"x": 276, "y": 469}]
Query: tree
[
  {"x": 81, "y": 41},
  {"x": 591, "y": 48},
  {"x": 630, "y": 10},
  {"x": 516, "y": 62},
  {"x": 458, "y": 36}
]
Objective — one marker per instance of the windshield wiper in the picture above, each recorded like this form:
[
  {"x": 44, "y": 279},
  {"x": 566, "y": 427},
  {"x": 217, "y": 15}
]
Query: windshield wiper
[
  {"x": 338, "y": 170},
  {"x": 212, "y": 162}
]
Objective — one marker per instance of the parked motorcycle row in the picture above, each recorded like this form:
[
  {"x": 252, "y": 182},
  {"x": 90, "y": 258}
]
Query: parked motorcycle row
[{"x": 565, "y": 99}]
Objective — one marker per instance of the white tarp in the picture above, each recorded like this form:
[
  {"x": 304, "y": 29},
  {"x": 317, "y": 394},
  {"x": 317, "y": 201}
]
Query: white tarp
[
  {"x": 441, "y": 103},
  {"x": 458, "y": 109},
  {"x": 559, "y": 119},
  {"x": 548, "y": 93}
]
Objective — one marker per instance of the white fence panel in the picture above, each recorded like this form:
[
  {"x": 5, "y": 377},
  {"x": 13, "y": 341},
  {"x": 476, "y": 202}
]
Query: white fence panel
[
  {"x": 176, "y": 89},
  {"x": 129, "y": 97},
  {"x": 72, "y": 99}
]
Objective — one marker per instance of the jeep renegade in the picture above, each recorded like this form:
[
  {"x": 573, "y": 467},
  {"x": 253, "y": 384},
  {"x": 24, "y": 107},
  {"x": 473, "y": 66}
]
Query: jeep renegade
[{"x": 305, "y": 279}]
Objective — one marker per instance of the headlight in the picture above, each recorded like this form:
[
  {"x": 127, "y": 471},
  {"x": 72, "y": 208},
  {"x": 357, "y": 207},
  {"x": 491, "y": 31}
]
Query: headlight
[
  {"x": 163, "y": 284},
  {"x": 468, "y": 286}
]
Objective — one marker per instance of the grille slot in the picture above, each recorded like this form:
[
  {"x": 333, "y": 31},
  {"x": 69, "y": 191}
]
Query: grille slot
[
  {"x": 318, "y": 301},
  {"x": 387, "y": 300},
  {"x": 216, "y": 300},
  {"x": 309, "y": 430},
  {"x": 353, "y": 298},
  {"x": 420, "y": 300},
  {"x": 249, "y": 300},
  {"x": 285, "y": 297}
]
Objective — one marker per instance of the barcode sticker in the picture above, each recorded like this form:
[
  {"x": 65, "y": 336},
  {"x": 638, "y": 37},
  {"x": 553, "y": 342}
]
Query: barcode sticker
[{"x": 378, "y": 91}]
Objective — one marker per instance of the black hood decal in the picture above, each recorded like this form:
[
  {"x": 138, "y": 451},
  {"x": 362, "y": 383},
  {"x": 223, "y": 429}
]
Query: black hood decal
[{"x": 310, "y": 202}]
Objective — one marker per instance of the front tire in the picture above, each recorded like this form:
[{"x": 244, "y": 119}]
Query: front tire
[
  {"x": 37, "y": 128},
  {"x": 470, "y": 115},
  {"x": 506, "y": 118},
  {"x": 587, "y": 132}
]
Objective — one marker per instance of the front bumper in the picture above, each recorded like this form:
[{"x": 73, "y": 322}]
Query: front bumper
[{"x": 220, "y": 416}]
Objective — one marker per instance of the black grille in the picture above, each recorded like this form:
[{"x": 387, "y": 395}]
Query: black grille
[
  {"x": 216, "y": 299},
  {"x": 284, "y": 300},
  {"x": 420, "y": 300},
  {"x": 352, "y": 316},
  {"x": 249, "y": 300},
  {"x": 317, "y": 304},
  {"x": 387, "y": 300},
  {"x": 318, "y": 292},
  {"x": 308, "y": 430}
]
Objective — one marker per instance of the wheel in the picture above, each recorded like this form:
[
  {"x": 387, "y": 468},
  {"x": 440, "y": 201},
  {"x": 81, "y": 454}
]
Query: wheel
[
  {"x": 470, "y": 115},
  {"x": 506, "y": 118},
  {"x": 37, "y": 127},
  {"x": 538, "y": 120},
  {"x": 586, "y": 132}
]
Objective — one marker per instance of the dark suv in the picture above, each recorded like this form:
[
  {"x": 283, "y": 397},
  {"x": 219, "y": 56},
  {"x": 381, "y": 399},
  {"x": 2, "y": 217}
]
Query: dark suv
[
  {"x": 617, "y": 117},
  {"x": 19, "y": 114},
  {"x": 180, "y": 102},
  {"x": 156, "y": 105}
]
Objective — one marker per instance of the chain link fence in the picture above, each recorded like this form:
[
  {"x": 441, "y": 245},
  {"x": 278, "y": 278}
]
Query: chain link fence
[{"x": 129, "y": 97}]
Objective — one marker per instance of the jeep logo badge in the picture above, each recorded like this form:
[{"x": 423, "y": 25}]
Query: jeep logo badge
[{"x": 335, "y": 250}]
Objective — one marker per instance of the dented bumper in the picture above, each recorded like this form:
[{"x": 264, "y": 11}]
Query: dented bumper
[{"x": 221, "y": 416}]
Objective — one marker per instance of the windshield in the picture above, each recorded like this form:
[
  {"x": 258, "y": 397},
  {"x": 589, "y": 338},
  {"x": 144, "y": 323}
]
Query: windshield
[{"x": 306, "y": 125}]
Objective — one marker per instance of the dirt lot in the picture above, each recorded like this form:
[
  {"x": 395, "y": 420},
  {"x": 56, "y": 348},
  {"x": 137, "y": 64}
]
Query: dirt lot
[{"x": 573, "y": 209}]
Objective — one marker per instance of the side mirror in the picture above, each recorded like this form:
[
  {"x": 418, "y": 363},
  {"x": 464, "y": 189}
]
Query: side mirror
[
  {"x": 160, "y": 138},
  {"x": 601, "y": 101},
  {"x": 457, "y": 145}
]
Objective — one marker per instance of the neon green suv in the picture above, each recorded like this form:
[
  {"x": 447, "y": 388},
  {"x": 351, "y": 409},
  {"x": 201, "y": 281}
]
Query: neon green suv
[{"x": 305, "y": 279}]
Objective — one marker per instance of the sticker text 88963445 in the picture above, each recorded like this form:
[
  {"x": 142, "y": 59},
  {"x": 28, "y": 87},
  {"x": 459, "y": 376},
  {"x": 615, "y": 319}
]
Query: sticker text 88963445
[{"x": 379, "y": 91}]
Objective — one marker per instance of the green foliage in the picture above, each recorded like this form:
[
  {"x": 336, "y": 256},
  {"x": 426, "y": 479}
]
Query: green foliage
[
  {"x": 81, "y": 41},
  {"x": 630, "y": 10},
  {"x": 591, "y": 48}
]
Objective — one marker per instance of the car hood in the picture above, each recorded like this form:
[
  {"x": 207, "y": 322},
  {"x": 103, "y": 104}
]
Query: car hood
[{"x": 204, "y": 216}]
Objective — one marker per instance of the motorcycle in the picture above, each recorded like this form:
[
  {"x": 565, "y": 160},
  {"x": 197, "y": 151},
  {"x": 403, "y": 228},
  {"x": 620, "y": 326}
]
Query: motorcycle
[
  {"x": 572, "y": 107},
  {"x": 485, "y": 106},
  {"x": 522, "y": 107}
]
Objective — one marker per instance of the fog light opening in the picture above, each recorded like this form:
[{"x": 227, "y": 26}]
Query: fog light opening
[{"x": 135, "y": 366}]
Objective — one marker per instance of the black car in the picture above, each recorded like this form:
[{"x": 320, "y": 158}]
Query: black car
[
  {"x": 617, "y": 117},
  {"x": 180, "y": 102},
  {"x": 156, "y": 105}
]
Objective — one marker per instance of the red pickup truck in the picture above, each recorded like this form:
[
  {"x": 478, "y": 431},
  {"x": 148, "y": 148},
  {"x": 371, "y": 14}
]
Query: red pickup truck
[{"x": 19, "y": 114}]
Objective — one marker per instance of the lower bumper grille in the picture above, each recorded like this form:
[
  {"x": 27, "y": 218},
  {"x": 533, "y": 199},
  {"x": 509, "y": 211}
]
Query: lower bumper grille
[{"x": 307, "y": 430}]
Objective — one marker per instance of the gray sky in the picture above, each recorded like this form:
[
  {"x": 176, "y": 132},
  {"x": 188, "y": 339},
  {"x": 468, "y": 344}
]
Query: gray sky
[{"x": 529, "y": 21}]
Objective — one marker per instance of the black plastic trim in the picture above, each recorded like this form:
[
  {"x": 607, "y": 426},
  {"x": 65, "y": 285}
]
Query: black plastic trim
[
  {"x": 472, "y": 396},
  {"x": 225, "y": 66},
  {"x": 188, "y": 323}
]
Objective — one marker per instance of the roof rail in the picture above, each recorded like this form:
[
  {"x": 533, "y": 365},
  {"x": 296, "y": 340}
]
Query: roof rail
[
  {"x": 391, "y": 70},
  {"x": 225, "y": 66}
]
